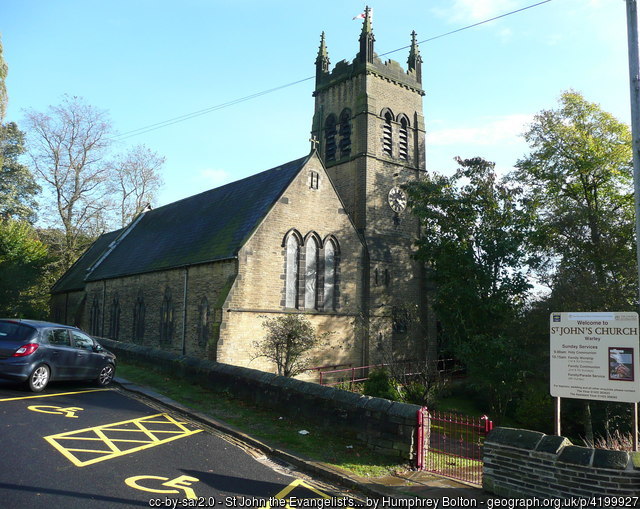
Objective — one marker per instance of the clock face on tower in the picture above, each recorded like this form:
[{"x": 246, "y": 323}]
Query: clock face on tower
[{"x": 397, "y": 199}]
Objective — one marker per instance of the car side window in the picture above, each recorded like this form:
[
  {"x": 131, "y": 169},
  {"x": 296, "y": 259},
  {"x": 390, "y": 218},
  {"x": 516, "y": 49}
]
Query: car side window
[
  {"x": 59, "y": 337},
  {"x": 82, "y": 340}
]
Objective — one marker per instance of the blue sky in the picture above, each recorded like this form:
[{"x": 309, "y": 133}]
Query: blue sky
[{"x": 147, "y": 61}]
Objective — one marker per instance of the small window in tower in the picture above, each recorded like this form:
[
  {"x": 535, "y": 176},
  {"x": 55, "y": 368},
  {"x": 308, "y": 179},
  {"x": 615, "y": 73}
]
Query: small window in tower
[
  {"x": 403, "y": 139},
  {"x": 315, "y": 179},
  {"x": 387, "y": 134},
  {"x": 345, "y": 133},
  {"x": 330, "y": 132}
]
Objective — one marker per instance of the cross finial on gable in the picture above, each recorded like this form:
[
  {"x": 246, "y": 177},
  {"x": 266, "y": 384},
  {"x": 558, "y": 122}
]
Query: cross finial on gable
[{"x": 314, "y": 143}]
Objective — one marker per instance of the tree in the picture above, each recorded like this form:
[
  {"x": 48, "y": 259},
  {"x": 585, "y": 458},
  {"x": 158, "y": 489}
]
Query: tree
[
  {"x": 68, "y": 146},
  {"x": 287, "y": 343},
  {"x": 3, "y": 87},
  {"x": 17, "y": 184},
  {"x": 475, "y": 241},
  {"x": 137, "y": 181},
  {"x": 579, "y": 173},
  {"x": 23, "y": 259}
]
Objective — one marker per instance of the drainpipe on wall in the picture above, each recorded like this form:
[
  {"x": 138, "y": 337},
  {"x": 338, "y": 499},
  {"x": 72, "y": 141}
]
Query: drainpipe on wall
[{"x": 184, "y": 311}]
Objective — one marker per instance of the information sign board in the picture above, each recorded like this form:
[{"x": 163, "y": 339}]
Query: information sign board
[{"x": 595, "y": 356}]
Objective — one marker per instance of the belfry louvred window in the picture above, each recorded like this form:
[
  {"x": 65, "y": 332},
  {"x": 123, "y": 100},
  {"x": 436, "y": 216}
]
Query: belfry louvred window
[
  {"x": 330, "y": 132},
  {"x": 387, "y": 134},
  {"x": 403, "y": 139},
  {"x": 345, "y": 133}
]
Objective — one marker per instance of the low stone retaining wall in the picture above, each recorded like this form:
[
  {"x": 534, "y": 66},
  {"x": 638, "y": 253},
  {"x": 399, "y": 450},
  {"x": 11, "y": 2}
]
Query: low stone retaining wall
[
  {"x": 385, "y": 426},
  {"x": 521, "y": 463}
]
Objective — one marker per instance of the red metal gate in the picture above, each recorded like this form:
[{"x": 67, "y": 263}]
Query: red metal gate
[{"x": 451, "y": 444}]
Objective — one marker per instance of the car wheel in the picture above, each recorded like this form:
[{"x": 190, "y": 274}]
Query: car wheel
[
  {"x": 39, "y": 378},
  {"x": 106, "y": 375}
]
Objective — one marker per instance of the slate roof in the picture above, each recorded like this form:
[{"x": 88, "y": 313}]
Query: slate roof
[
  {"x": 207, "y": 227},
  {"x": 73, "y": 279}
]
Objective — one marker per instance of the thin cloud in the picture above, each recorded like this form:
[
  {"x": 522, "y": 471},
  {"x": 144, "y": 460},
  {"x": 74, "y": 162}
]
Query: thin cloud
[{"x": 494, "y": 130}]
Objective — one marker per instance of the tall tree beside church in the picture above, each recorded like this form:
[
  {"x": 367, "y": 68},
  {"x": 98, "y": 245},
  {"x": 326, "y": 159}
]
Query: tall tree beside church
[
  {"x": 475, "y": 240},
  {"x": 136, "y": 180},
  {"x": 23, "y": 264},
  {"x": 3, "y": 86},
  {"x": 68, "y": 146},
  {"x": 18, "y": 188},
  {"x": 579, "y": 172}
]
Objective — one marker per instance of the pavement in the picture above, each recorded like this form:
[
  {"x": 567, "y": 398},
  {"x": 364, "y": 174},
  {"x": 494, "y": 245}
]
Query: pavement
[{"x": 398, "y": 485}]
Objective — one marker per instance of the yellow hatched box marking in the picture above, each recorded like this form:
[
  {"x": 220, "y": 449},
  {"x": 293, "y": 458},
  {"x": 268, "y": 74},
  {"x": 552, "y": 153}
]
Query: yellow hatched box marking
[{"x": 90, "y": 445}]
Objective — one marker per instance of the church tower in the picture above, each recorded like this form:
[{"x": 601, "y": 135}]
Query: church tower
[{"x": 369, "y": 126}]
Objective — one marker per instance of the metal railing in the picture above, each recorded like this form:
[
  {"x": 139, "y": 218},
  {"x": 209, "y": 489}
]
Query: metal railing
[
  {"x": 451, "y": 444},
  {"x": 350, "y": 374}
]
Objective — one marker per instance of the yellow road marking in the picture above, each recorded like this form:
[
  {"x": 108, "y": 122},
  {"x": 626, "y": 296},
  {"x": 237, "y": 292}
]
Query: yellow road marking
[
  {"x": 181, "y": 483},
  {"x": 298, "y": 483},
  {"x": 53, "y": 395},
  {"x": 56, "y": 410},
  {"x": 109, "y": 435}
]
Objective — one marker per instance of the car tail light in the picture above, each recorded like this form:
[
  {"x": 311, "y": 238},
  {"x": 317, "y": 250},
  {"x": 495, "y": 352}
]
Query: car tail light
[{"x": 25, "y": 350}]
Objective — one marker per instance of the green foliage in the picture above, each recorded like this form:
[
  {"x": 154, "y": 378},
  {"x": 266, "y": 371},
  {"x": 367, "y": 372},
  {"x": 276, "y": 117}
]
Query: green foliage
[
  {"x": 17, "y": 184},
  {"x": 381, "y": 385},
  {"x": 289, "y": 339},
  {"x": 476, "y": 231},
  {"x": 579, "y": 174},
  {"x": 3, "y": 86},
  {"x": 23, "y": 259}
]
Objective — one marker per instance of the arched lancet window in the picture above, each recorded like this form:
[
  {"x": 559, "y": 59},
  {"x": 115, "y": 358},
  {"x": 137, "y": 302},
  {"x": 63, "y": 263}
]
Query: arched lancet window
[
  {"x": 403, "y": 139},
  {"x": 166, "y": 318},
  {"x": 94, "y": 317},
  {"x": 203, "y": 322},
  {"x": 291, "y": 271},
  {"x": 138, "y": 319},
  {"x": 310, "y": 273},
  {"x": 330, "y": 276},
  {"x": 330, "y": 131},
  {"x": 345, "y": 133},
  {"x": 387, "y": 133},
  {"x": 114, "y": 320}
]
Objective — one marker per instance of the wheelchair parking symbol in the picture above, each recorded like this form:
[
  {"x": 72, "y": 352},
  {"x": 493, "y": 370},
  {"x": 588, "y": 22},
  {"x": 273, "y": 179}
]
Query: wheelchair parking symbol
[
  {"x": 178, "y": 484},
  {"x": 56, "y": 410}
]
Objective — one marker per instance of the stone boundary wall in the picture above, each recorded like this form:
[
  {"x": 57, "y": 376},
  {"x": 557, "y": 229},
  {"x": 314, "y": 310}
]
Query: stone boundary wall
[
  {"x": 387, "y": 427},
  {"x": 522, "y": 463}
]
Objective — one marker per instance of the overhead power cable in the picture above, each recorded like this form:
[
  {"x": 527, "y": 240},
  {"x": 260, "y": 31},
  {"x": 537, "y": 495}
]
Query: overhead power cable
[{"x": 188, "y": 116}]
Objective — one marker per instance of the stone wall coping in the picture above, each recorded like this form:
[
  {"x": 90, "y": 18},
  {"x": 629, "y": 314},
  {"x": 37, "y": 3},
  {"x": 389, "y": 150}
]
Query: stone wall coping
[{"x": 519, "y": 438}]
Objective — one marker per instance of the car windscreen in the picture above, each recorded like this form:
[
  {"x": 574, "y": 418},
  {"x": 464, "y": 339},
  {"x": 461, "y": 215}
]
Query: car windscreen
[{"x": 14, "y": 331}]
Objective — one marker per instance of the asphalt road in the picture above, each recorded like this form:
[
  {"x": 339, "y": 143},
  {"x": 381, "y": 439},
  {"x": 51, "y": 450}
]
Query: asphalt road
[{"x": 77, "y": 446}]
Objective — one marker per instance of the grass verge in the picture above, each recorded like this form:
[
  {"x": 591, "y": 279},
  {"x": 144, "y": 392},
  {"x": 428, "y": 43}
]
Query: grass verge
[{"x": 341, "y": 450}]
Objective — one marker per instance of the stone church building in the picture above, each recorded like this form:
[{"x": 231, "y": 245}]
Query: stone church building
[{"x": 327, "y": 235}]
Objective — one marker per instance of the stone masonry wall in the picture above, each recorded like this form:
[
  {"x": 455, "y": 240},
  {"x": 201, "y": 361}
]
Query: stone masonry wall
[
  {"x": 259, "y": 289},
  {"x": 521, "y": 463},
  {"x": 385, "y": 426}
]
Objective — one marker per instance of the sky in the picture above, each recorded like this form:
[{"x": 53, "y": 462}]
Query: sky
[{"x": 149, "y": 61}]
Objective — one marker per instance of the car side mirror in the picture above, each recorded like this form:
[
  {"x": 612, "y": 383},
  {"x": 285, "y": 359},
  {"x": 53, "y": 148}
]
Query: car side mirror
[{"x": 98, "y": 348}]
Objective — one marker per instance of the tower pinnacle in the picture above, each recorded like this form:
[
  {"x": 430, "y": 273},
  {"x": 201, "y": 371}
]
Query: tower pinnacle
[
  {"x": 415, "y": 60},
  {"x": 322, "y": 60},
  {"x": 366, "y": 39}
]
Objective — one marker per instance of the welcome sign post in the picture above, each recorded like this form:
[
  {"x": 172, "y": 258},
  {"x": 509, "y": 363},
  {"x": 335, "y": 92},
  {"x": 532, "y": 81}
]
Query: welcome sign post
[{"x": 595, "y": 356}]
